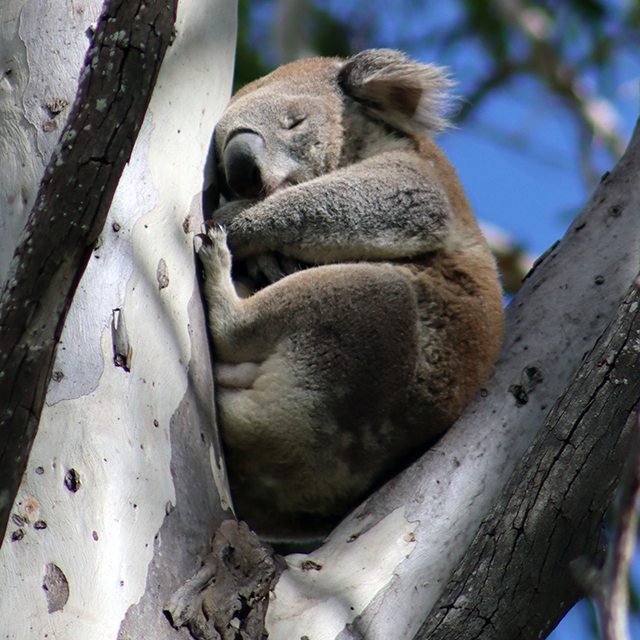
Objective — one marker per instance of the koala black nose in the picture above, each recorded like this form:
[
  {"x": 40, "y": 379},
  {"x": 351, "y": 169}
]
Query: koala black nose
[{"x": 243, "y": 156}]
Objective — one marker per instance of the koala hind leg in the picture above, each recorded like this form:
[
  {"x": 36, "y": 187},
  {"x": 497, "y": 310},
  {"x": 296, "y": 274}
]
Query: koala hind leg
[{"x": 333, "y": 354}]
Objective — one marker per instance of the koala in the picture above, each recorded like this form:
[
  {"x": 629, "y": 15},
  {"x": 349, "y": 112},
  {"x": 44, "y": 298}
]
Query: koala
[{"x": 353, "y": 304}]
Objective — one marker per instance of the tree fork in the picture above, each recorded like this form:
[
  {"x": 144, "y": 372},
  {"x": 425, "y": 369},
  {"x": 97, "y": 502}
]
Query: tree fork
[
  {"x": 516, "y": 580},
  {"x": 68, "y": 215}
]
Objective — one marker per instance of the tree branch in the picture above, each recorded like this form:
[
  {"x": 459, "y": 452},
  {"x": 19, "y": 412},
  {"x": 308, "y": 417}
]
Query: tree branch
[
  {"x": 68, "y": 215},
  {"x": 516, "y": 580},
  {"x": 608, "y": 587}
]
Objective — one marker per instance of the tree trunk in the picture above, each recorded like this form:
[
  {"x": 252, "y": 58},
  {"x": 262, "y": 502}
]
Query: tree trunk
[
  {"x": 69, "y": 215},
  {"x": 125, "y": 483},
  {"x": 382, "y": 570}
]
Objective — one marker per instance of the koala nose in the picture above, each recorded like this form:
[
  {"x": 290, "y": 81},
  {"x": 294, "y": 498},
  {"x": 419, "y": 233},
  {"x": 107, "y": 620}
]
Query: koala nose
[{"x": 243, "y": 156}]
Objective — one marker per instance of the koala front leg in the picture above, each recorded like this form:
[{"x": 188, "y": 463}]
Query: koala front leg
[
  {"x": 223, "y": 303},
  {"x": 232, "y": 320},
  {"x": 384, "y": 207},
  {"x": 260, "y": 266},
  {"x": 225, "y": 214}
]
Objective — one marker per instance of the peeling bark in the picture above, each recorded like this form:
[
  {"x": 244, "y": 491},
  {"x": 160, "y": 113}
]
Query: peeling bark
[
  {"x": 68, "y": 216},
  {"x": 227, "y": 599}
]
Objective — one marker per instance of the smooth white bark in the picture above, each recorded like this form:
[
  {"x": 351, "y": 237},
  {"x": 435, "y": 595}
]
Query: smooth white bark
[
  {"x": 42, "y": 47},
  {"x": 112, "y": 427}
]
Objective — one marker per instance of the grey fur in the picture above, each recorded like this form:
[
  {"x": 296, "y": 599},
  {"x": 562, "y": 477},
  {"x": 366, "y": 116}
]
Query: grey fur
[{"x": 328, "y": 378}]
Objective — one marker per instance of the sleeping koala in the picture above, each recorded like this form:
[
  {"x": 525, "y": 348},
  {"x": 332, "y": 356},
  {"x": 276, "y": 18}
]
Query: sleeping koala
[{"x": 383, "y": 311}]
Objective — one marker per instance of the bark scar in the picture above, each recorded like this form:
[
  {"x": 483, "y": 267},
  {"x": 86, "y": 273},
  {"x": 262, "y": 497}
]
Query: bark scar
[{"x": 227, "y": 599}]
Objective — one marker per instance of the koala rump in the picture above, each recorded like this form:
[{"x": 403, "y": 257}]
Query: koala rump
[{"x": 369, "y": 310}]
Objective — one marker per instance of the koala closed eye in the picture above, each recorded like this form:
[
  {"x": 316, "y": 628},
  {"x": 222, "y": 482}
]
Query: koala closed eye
[
  {"x": 376, "y": 310},
  {"x": 291, "y": 121}
]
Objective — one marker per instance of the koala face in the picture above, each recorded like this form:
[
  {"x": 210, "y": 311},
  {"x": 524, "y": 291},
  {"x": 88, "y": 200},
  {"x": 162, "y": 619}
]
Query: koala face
[
  {"x": 313, "y": 116},
  {"x": 278, "y": 135}
]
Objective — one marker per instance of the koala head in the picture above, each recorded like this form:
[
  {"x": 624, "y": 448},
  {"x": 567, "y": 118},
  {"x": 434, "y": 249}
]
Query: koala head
[{"x": 312, "y": 116}]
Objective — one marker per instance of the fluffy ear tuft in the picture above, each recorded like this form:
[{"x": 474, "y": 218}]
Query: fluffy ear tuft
[{"x": 405, "y": 94}]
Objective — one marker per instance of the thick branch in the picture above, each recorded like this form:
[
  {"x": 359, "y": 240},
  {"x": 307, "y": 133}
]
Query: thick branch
[
  {"x": 516, "y": 579},
  {"x": 115, "y": 87},
  {"x": 608, "y": 587}
]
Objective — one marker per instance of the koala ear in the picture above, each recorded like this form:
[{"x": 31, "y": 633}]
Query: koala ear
[{"x": 405, "y": 94}]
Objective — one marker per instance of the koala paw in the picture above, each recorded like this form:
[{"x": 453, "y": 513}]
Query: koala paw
[{"x": 211, "y": 247}]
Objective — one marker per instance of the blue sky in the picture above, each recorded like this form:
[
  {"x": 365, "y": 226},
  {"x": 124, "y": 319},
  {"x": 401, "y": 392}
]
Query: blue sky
[{"x": 533, "y": 196}]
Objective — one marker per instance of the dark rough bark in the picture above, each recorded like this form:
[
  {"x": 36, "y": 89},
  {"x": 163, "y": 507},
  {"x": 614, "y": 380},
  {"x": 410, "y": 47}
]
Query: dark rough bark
[
  {"x": 227, "y": 599},
  {"x": 516, "y": 581},
  {"x": 74, "y": 197},
  {"x": 608, "y": 586}
]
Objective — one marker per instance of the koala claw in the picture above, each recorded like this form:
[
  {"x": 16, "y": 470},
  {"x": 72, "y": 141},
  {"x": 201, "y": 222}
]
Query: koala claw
[{"x": 199, "y": 240}]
